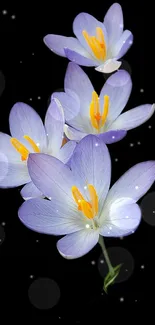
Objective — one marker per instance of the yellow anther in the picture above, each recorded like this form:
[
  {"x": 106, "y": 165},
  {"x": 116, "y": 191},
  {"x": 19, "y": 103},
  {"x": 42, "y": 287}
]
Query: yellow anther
[
  {"x": 105, "y": 110},
  {"x": 32, "y": 143},
  {"x": 20, "y": 148},
  {"x": 98, "y": 120},
  {"x": 96, "y": 43},
  {"x": 89, "y": 209}
]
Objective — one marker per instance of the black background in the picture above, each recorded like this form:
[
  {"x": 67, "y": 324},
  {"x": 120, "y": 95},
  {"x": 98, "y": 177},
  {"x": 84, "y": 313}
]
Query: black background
[{"x": 31, "y": 70}]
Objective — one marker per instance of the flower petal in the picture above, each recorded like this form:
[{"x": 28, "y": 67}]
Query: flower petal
[
  {"x": 43, "y": 216},
  {"x": 112, "y": 136},
  {"x": 73, "y": 134},
  {"x": 13, "y": 172},
  {"x": 118, "y": 88},
  {"x": 77, "y": 244},
  {"x": 65, "y": 153},
  {"x": 58, "y": 43},
  {"x": 109, "y": 66},
  {"x": 54, "y": 124},
  {"x": 78, "y": 82},
  {"x": 91, "y": 164},
  {"x": 71, "y": 106},
  {"x": 133, "y": 184},
  {"x": 123, "y": 45},
  {"x": 114, "y": 24},
  {"x": 121, "y": 219},
  {"x": 51, "y": 176},
  {"x": 80, "y": 58},
  {"x": 84, "y": 21},
  {"x": 30, "y": 191},
  {"x": 134, "y": 117},
  {"x": 25, "y": 121}
]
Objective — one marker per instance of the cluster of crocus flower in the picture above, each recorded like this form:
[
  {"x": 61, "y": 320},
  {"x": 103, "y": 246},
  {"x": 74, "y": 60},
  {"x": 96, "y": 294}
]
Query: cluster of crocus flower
[{"x": 64, "y": 164}]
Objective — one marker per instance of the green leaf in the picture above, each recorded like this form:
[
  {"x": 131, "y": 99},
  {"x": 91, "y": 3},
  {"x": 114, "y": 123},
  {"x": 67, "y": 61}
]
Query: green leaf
[{"x": 111, "y": 276}]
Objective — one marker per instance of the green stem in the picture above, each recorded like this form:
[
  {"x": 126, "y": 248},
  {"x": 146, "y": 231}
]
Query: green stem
[{"x": 101, "y": 242}]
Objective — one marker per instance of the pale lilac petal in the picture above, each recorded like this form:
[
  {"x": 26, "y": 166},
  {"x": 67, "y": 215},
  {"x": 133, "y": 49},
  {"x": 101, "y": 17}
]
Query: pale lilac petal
[
  {"x": 118, "y": 88},
  {"x": 71, "y": 106},
  {"x": 13, "y": 172},
  {"x": 73, "y": 134},
  {"x": 80, "y": 58},
  {"x": 25, "y": 121},
  {"x": 109, "y": 66},
  {"x": 30, "y": 191},
  {"x": 58, "y": 43},
  {"x": 77, "y": 244},
  {"x": 43, "y": 216},
  {"x": 51, "y": 176},
  {"x": 134, "y": 117},
  {"x": 114, "y": 24},
  {"x": 121, "y": 219},
  {"x": 112, "y": 136},
  {"x": 91, "y": 164},
  {"x": 54, "y": 124},
  {"x": 123, "y": 45},
  {"x": 133, "y": 184},
  {"x": 84, "y": 21},
  {"x": 65, "y": 153},
  {"x": 78, "y": 82}
]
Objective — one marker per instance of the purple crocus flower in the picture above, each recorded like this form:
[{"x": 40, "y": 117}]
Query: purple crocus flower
[
  {"x": 82, "y": 206},
  {"x": 86, "y": 113},
  {"x": 28, "y": 134},
  {"x": 97, "y": 44}
]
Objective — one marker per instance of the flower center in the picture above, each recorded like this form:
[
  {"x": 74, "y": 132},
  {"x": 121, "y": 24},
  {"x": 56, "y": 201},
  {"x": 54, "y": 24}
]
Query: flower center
[
  {"x": 24, "y": 152},
  {"x": 89, "y": 209},
  {"x": 98, "y": 119},
  {"x": 96, "y": 43}
]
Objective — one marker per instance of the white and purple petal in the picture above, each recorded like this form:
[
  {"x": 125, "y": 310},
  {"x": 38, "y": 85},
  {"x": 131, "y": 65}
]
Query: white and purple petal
[
  {"x": 114, "y": 24},
  {"x": 109, "y": 66},
  {"x": 73, "y": 134},
  {"x": 77, "y": 244},
  {"x": 47, "y": 217},
  {"x": 133, "y": 118},
  {"x": 80, "y": 58},
  {"x": 30, "y": 191},
  {"x": 112, "y": 136},
  {"x": 123, "y": 45},
  {"x": 65, "y": 153}
]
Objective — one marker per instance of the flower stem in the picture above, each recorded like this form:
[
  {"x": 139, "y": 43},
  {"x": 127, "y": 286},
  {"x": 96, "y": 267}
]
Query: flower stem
[{"x": 101, "y": 242}]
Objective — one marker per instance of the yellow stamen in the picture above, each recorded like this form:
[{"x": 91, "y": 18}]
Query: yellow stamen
[
  {"x": 98, "y": 120},
  {"x": 96, "y": 43},
  {"x": 89, "y": 209},
  {"x": 20, "y": 148},
  {"x": 24, "y": 152},
  {"x": 105, "y": 110},
  {"x": 32, "y": 143}
]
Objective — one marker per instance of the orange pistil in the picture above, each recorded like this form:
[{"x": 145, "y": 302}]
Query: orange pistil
[{"x": 98, "y": 120}]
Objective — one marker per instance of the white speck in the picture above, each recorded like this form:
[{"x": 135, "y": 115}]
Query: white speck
[
  {"x": 31, "y": 276},
  {"x": 142, "y": 267},
  {"x": 33, "y": 53},
  {"x": 47, "y": 134},
  {"x": 153, "y": 211},
  {"x": 149, "y": 126},
  {"x": 3, "y": 223},
  {"x": 49, "y": 197},
  {"x": 21, "y": 62},
  {"x": 131, "y": 144},
  {"x": 102, "y": 261},
  {"x": 127, "y": 217},
  {"x": 116, "y": 159},
  {"x": 141, "y": 90},
  {"x": 121, "y": 238},
  {"x": 0, "y": 240},
  {"x": 37, "y": 241},
  {"x": 108, "y": 232},
  {"x": 121, "y": 25},
  {"x": 79, "y": 200},
  {"x": 30, "y": 99},
  {"x": 96, "y": 144},
  {"x": 136, "y": 187},
  {"x": 85, "y": 187},
  {"x": 59, "y": 317},
  {"x": 123, "y": 42},
  {"x": 87, "y": 226},
  {"x": 39, "y": 97},
  {"x": 130, "y": 42},
  {"x": 126, "y": 270},
  {"x": 110, "y": 228},
  {"x": 38, "y": 144},
  {"x": 93, "y": 262},
  {"x": 4, "y": 12},
  {"x": 136, "y": 300},
  {"x": 132, "y": 231},
  {"x": 121, "y": 299},
  {"x": 57, "y": 211},
  {"x": 13, "y": 17},
  {"x": 138, "y": 142},
  {"x": 113, "y": 137}
]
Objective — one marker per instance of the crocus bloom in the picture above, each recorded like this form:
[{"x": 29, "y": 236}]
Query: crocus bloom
[
  {"x": 96, "y": 44},
  {"x": 28, "y": 134},
  {"x": 87, "y": 113},
  {"x": 82, "y": 206}
]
